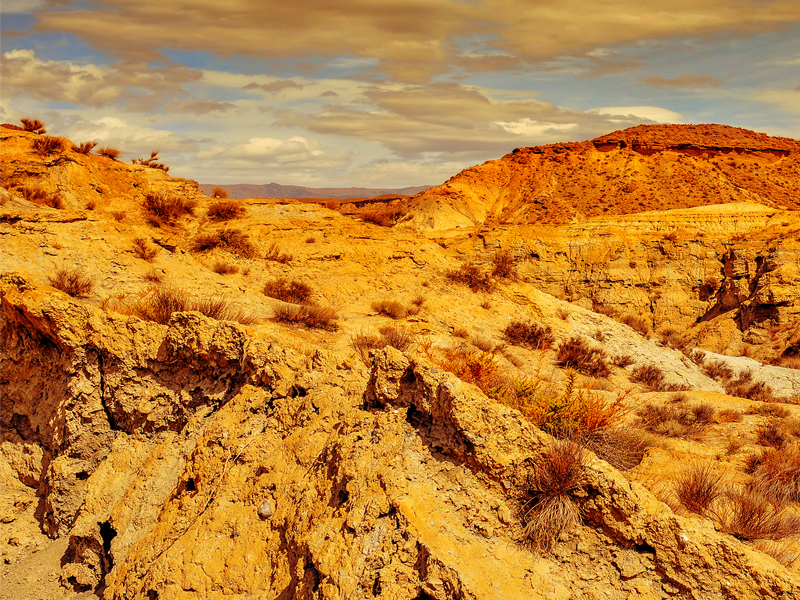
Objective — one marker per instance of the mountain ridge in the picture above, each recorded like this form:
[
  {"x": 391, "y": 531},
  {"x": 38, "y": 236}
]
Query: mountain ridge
[{"x": 241, "y": 191}]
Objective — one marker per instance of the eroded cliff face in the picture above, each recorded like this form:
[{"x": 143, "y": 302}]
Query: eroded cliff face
[{"x": 222, "y": 465}]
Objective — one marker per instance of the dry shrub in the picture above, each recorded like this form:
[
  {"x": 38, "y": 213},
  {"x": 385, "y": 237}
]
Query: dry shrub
[
  {"x": 219, "y": 192},
  {"x": 461, "y": 332},
  {"x": 485, "y": 344},
  {"x": 311, "y": 240},
  {"x": 33, "y": 125},
  {"x": 772, "y": 435},
  {"x": 310, "y": 315},
  {"x": 159, "y": 304},
  {"x": 151, "y": 162},
  {"x": 119, "y": 215},
  {"x": 232, "y": 240},
  {"x": 109, "y": 152},
  {"x": 672, "y": 338},
  {"x": 576, "y": 354},
  {"x": 71, "y": 281},
  {"x": 418, "y": 300},
  {"x": 163, "y": 209},
  {"x": 486, "y": 305},
  {"x": 677, "y": 419},
  {"x": 698, "y": 487},
  {"x": 144, "y": 249},
  {"x": 473, "y": 277},
  {"x": 784, "y": 552},
  {"x": 529, "y": 335},
  {"x": 225, "y": 210},
  {"x": 364, "y": 343},
  {"x": 390, "y": 308},
  {"x": 294, "y": 292},
  {"x": 751, "y": 514},
  {"x": 385, "y": 216},
  {"x": 504, "y": 265},
  {"x": 729, "y": 415},
  {"x": 91, "y": 205},
  {"x": 621, "y": 447},
  {"x": 401, "y": 338},
  {"x": 776, "y": 471},
  {"x": 39, "y": 195},
  {"x": 223, "y": 267},
  {"x": 636, "y": 322},
  {"x": 45, "y": 145},
  {"x": 622, "y": 360},
  {"x": 769, "y": 409},
  {"x": 84, "y": 147},
  {"x": 744, "y": 387},
  {"x": 154, "y": 276},
  {"x": 650, "y": 376},
  {"x": 276, "y": 253},
  {"x": 548, "y": 506},
  {"x": 718, "y": 370}
]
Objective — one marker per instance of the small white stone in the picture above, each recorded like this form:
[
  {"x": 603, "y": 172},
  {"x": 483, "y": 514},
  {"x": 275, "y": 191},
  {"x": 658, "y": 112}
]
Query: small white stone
[{"x": 265, "y": 511}]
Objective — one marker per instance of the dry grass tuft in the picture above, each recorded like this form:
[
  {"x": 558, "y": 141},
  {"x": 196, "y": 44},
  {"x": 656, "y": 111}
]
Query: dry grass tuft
[
  {"x": 33, "y": 125},
  {"x": 650, "y": 376},
  {"x": 232, "y": 240},
  {"x": 144, "y": 249},
  {"x": 698, "y": 487},
  {"x": 276, "y": 253},
  {"x": 772, "y": 435},
  {"x": 677, "y": 419},
  {"x": 84, "y": 147},
  {"x": 383, "y": 216},
  {"x": 39, "y": 195},
  {"x": 163, "y": 209},
  {"x": 220, "y": 192},
  {"x": 310, "y": 315},
  {"x": 395, "y": 336},
  {"x": 744, "y": 387},
  {"x": 225, "y": 210},
  {"x": 577, "y": 354},
  {"x": 109, "y": 152},
  {"x": 45, "y": 145},
  {"x": 72, "y": 282},
  {"x": 622, "y": 360},
  {"x": 636, "y": 322},
  {"x": 504, "y": 265},
  {"x": 294, "y": 292},
  {"x": 776, "y": 471},
  {"x": 473, "y": 277},
  {"x": 529, "y": 335},
  {"x": 548, "y": 506},
  {"x": 151, "y": 162},
  {"x": 391, "y": 308},
  {"x": 223, "y": 267}
]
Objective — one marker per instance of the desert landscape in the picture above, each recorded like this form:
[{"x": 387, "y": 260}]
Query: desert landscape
[{"x": 570, "y": 372}]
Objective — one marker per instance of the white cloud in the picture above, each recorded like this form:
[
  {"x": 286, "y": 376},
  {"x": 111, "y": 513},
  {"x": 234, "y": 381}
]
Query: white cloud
[
  {"x": 131, "y": 139},
  {"x": 655, "y": 114},
  {"x": 531, "y": 127}
]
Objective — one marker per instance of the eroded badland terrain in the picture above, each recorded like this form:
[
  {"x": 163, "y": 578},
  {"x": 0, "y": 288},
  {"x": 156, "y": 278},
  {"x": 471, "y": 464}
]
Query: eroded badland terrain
[{"x": 568, "y": 373}]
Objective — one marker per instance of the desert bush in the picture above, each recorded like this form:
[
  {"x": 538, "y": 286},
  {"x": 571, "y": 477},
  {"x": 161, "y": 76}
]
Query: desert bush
[
  {"x": 504, "y": 265},
  {"x": 223, "y": 267},
  {"x": 119, "y": 215},
  {"x": 677, "y": 419},
  {"x": 225, "y": 210},
  {"x": 672, "y": 338},
  {"x": 484, "y": 344},
  {"x": 750, "y": 514},
  {"x": 144, "y": 249},
  {"x": 776, "y": 471},
  {"x": 220, "y": 192},
  {"x": 635, "y": 322},
  {"x": 401, "y": 338},
  {"x": 650, "y": 376},
  {"x": 385, "y": 217},
  {"x": 84, "y": 147},
  {"x": 294, "y": 292},
  {"x": 151, "y": 162},
  {"x": 473, "y": 277},
  {"x": 45, "y": 145},
  {"x": 33, "y": 125},
  {"x": 310, "y": 315},
  {"x": 576, "y": 354},
  {"x": 729, "y": 415},
  {"x": 772, "y": 435},
  {"x": 718, "y": 370},
  {"x": 91, "y": 205},
  {"x": 530, "y": 335},
  {"x": 390, "y": 308},
  {"x": 418, "y": 300},
  {"x": 72, "y": 281},
  {"x": 154, "y": 276},
  {"x": 364, "y": 343},
  {"x": 232, "y": 240},
  {"x": 622, "y": 447},
  {"x": 698, "y": 487},
  {"x": 622, "y": 360},
  {"x": 276, "y": 253},
  {"x": 548, "y": 506},
  {"x": 461, "y": 332},
  {"x": 159, "y": 304},
  {"x": 39, "y": 195},
  {"x": 769, "y": 409},
  {"x": 163, "y": 209},
  {"x": 744, "y": 387},
  {"x": 109, "y": 152}
]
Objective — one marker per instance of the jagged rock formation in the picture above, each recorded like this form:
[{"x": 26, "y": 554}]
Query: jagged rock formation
[{"x": 649, "y": 167}]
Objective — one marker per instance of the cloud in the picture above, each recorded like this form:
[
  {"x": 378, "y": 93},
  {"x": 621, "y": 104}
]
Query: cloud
[
  {"x": 198, "y": 107},
  {"x": 787, "y": 100},
  {"x": 274, "y": 86},
  {"x": 413, "y": 40},
  {"x": 91, "y": 85},
  {"x": 684, "y": 81},
  {"x": 132, "y": 139},
  {"x": 273, "y": 153},
  {"x": 654, "y": 114}
]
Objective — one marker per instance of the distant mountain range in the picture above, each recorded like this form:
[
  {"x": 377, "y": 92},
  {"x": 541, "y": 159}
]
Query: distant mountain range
[{"x": 276, "y": 190}]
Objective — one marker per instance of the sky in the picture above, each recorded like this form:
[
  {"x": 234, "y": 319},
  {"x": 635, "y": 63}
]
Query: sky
[{"x": 387, "y": 93}]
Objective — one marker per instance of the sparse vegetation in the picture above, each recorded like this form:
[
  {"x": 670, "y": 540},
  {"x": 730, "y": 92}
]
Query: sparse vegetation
[
  {"x": 650, "y": 376},
  {"x": 529, "y": 335},
  {"x": 159, "y": 304},
  {"x": 33, "y": 125},
  {"x": 473, "y": 277},
  {"x": 776, "y": 471},
  {"x": 676, "y": 419},
  {"x": 84, "y": 147},
  {"x": 143, "y": 249},
  {"x": 223, "y": 267},
  {"x": 398, "y": 337},
  {"x": 771, "y": 434},
  {"x": 232, "y": 240},
  {"x": 162, "y": 209},
  {"x": 505, "y": 265},
  {"x": 220, "y": 192},
  {"x": 294, "y": 292},
  {"x": 45, "y": 145},
  {"x": 39, "y": 195},
  {"x": 310, "y": 315},
  {"x": 276, "y": 253},
  {"x": 225, "y": 210},
  {"x": 109, "y": 152},
  {"x": 744, "y": 387},
  {"x": 698, "y": 487},
  {"x": 151, "y": 162},
  {"x": 118, "y": 215},
  {"x": 386, "y": 216},
  {"x": 394, "y": 309},
  {"x": 548, "y": 506},
  {"x": 72, "y": 281},
  {"x": 622, "y": 360},
  {"x": 636, "y": 322},
  {"x": 577, "y": 354}
]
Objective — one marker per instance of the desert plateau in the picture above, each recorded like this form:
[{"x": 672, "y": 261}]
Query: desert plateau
[{"x": 572, "y": 372}]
